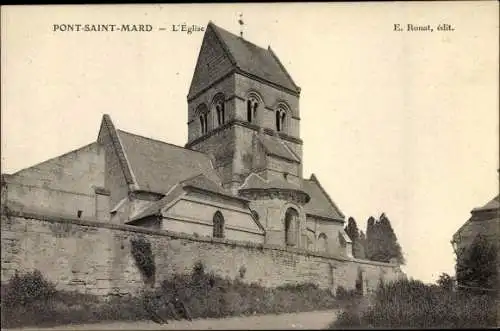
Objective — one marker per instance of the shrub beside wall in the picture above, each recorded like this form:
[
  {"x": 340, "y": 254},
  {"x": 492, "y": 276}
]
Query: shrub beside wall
[
  {"x": 144, "y": 258},
  {"x": 413, "y": 304},
  {"x": 30, "y": 300}
]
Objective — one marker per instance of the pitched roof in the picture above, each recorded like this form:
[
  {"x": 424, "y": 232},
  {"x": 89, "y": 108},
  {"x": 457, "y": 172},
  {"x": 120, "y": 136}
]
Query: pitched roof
[
  {"x": 274, "y": 146},
  {"x": 155, "y": 207},
  {"x": 491, "y": 205},
  {"x": 255, "y": 60},
  {"x": 486, "y": 227},
  {"x": 345, "y": 236},
  {"x": 320, "y": 204},
  {"x": 199, "y": 181},
  {"x": 158, "y": 166},
  {"x": 108, "y": 129},
  {"x": 202, "y": 182},
  {"x": 484, "y": 220}
]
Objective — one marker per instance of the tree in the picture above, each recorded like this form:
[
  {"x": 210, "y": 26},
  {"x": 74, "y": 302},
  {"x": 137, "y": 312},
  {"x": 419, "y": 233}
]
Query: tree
[
  {"x": 446, "y": 282},
  {"x": 352, "y": 229},
  {"x": 362, "y": 245},
  {"x": 381, "y": 241},
  {"x": 370, "y": 238},
  {"x": 353, "y": 233},
  {"x": 390, "y": 248},
  {"x": 477, "y": 264}
]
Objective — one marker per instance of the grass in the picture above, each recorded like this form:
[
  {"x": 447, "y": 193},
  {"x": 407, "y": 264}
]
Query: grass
[
  {"x": 413, "y": 304},
  {"x": 31, "y": 300}
]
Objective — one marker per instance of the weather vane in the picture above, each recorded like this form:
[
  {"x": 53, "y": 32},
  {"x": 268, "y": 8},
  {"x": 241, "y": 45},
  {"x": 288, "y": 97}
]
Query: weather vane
[{"x": 240, "y": 21}]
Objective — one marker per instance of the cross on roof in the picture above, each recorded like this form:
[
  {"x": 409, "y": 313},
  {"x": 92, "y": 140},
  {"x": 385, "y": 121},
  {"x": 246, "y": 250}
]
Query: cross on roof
[{"x": 240, "y": 21}]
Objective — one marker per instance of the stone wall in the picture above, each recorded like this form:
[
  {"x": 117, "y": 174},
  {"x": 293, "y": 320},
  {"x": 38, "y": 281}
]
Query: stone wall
[{"x": 94, "y": 257}]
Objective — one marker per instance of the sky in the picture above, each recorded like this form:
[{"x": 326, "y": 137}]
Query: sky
[{"x": 402, "y": 123}]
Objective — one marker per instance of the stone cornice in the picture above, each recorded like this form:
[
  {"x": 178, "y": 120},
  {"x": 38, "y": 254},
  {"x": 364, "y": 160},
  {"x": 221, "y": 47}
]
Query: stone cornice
[
  {"x": 101, "y": 190},
  {"x": 246, "y": 125},
  {"x": 297, "y": 196},
  {"x": 222, "y": 195}
]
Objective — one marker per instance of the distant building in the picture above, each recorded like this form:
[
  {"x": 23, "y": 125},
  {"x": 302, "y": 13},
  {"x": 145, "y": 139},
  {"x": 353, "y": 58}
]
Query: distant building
[{"x": 484, "y": 221}]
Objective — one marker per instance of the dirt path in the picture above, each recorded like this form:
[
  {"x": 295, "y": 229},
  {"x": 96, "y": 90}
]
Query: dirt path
[{"x": 300, "y": 321}]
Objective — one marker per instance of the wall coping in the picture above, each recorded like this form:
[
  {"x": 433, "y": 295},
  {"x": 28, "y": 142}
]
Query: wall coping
[
  {"x": 8, "y": 212},
  {"x": 376, "y": 263}
]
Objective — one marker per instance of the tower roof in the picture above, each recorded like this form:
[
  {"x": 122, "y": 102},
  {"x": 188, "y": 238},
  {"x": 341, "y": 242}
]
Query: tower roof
[{"x": 251, "y": 59}]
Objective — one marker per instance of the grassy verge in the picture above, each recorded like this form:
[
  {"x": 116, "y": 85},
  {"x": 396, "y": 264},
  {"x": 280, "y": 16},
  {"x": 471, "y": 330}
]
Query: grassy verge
[
  {"x": 30, "y": 300},
  {"x": 413, "y": 304}
]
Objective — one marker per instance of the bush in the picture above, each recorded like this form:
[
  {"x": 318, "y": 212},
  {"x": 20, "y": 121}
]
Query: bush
[
  {"x": 413, "y": 304},
  {"x": 477, "y": 265},
  {"x": 30, "y": 300},
  {"x": 343, "y": 294},
  {"x": 208, "y": 295},
  {"x": 144, "y": 258},
  {"x": 446, "y": 282},
  {"x": 26, "y": 289}
]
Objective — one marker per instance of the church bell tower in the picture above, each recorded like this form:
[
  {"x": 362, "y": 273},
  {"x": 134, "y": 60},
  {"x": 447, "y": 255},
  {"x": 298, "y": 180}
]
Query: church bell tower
[{"x": 243, "y": 110}]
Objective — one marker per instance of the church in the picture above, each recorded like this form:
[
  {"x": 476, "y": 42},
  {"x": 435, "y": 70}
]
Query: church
[{"x": 239, "y": 175}]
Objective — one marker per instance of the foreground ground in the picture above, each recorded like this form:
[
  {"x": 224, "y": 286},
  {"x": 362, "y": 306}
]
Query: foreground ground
[{"x": 301, "y": 321}]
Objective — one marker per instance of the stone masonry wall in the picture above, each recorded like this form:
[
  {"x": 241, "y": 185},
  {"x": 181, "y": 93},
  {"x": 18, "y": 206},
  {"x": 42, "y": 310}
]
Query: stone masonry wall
[
  {"x": 55, "y": 186},
  {"x": 93, "y": 257}
]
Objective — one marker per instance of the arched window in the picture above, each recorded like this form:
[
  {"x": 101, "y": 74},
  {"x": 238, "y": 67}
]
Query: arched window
[
  {"x": 252, "y": 106},
  {"x": 203, "y": 112},
  {"x": 291, "y": 227},
  {"x": 218, "y": 225},
  {"x": 220, "y": 111},
  {"x": 322, "y": 242},
  {"x": 202, "y": 124},
  {"x": 280, "y": 119}
]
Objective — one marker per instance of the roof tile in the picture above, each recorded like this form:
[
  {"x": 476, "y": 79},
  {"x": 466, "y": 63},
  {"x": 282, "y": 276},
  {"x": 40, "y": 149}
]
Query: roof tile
[
  {"x": 320, "y": 204},
  {"x": 274, "y": 146},
  {"x": 158, "y": 166},
  {"x": 255, "y": 60}
]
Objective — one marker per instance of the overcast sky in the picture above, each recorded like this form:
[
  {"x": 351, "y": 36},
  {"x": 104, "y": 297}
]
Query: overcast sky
[{"x": 404, "y": 123}]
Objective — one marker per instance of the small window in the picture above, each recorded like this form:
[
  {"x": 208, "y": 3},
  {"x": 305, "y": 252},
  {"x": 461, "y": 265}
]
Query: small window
[
  {"x": 79, "y": 213},
  {"x": 202, "y": 112},
  {"x": 204, "y": 123},
  {"x": 280, "y": 119},
  {"x": 249, "y": 111},
  {"x": 291, "y": 227},
  {"x": 220, "y": 114},
  {"x": 219, "y": 106},
  {"x": 218, "y": 230},
  {"x": 252, "y": 106},
  {"x": 322, "y": 242}
]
